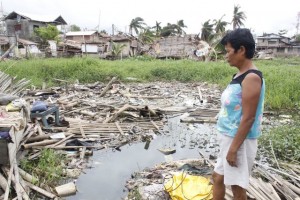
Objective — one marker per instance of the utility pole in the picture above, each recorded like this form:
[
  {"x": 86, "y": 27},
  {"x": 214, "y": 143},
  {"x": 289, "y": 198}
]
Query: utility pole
[
  {"x": 99, "y": 21},
  {"x": 298, "y": 23},
  {"x": 113, "y": 29}
]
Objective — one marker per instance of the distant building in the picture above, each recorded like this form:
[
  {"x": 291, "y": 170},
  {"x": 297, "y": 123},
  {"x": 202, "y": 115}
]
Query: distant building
[
  {"x": 83, "y": 36},
  {"x": 23, "y": 25},
  {"x": 278, "y": 44},
  {"x": 90, "y": 40}
]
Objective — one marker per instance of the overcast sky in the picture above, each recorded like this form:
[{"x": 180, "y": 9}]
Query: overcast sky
[{"x": 262, "y": 15}]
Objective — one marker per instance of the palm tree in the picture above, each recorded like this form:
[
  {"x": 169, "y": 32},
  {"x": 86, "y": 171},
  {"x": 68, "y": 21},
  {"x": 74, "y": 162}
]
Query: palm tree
[
  {"x": 146, "y": 35},
  {"x": 180, "y": 25},
  {"x": 238, "y": 17},
  {"x": 157, "y": 28},
  {"x": 117, "y": 48},
  {"x": 169, "y": 30},
  {"x": 207, "y": 31},
  {"x": 220, "y": 25},
  {"x": 136, "y": 24}
]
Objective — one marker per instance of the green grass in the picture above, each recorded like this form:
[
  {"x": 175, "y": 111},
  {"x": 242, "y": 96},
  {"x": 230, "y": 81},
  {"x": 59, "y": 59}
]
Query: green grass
[
  {"x": 47, "y": 168},
  {"x": 285, "y": 141},
  {"x": 282, "y": 75}
]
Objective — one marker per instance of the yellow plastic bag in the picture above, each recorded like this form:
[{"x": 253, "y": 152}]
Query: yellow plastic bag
[
  {"x": 184, "y": 186},
  {"x": 11, "y": 108}
]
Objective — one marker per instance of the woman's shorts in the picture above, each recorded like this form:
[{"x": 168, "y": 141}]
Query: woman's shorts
[{"x": 245, "y": 159}]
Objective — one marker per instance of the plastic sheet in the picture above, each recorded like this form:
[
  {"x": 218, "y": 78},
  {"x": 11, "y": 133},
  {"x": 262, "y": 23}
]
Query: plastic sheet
[{"x": 183, "y": 186}]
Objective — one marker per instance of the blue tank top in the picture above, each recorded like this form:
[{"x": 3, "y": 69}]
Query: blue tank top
[{"x": 231, "y": 108}]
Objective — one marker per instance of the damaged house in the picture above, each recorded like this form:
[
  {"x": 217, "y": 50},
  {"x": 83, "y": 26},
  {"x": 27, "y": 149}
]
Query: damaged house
[
  {"x": 23, "y": 25},
  {"x": 20, "y": 31},
  {"x": 103, "y": 45},
  {"x": 178, "y": 47},
  {"x": 89, "y": 41},
  {"x": 277, "y": 45}
]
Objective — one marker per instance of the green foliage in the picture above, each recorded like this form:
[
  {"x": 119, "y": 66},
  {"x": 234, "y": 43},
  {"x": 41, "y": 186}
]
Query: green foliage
[
  {"x": 136, "y": 24},
  {"x": 284, "y": 140},
  {"x": 282, "y": 76},
  {"x": 74, "y": 27},
  {"x": 238, "y": 17},
  {"x": 297, "y": 38},
  {"x": 146, "y": 36},
  {"x": 47, "y": 167},
  {"x": 117, "y": 48},
  {"x": 47, "y": 33}
]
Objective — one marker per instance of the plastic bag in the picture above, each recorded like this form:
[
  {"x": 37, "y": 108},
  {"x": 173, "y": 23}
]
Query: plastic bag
[{"x": 184, "y": 186}]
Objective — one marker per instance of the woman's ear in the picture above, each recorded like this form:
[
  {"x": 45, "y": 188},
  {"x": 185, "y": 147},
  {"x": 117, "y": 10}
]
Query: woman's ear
[{"x": 242, "y": 50}]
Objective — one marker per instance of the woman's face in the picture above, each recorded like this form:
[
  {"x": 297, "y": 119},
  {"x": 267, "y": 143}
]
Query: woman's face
[{"x": 233, "y": 58}]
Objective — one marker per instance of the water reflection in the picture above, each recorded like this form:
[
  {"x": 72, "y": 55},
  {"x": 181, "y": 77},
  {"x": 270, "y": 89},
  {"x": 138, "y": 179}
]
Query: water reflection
[{"x": 107, "y": 178}]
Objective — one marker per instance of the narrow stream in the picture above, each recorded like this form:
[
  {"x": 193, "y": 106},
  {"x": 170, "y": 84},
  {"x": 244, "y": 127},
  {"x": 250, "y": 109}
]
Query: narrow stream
[{"x": 110, "y": 169}]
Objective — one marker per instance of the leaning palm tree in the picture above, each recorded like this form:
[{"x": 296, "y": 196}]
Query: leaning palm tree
[
  {"x": 136, "y": 24},
  {"x": 146, "y": 35},
  {"x": 220, "y": 25},
  {"x": 238, "y": 17},
  {"x": 180, "y": 25},
  {"x": 207, "y": 31}
]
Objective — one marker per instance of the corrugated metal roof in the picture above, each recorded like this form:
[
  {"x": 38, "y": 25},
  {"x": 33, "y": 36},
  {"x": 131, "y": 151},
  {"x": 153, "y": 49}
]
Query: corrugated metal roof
[
  {"x": 79, "y": 33},
  {"x": 272, "y": 35}
]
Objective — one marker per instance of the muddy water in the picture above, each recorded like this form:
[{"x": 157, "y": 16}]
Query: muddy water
[{"x": 110, "y": 169}]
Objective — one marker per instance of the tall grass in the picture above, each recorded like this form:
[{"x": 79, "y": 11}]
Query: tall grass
[{"x": 282, "y": 75}]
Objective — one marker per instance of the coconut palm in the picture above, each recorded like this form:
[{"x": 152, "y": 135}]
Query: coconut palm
[
  {"x": 157, "y": 28},
  {"x": 136, "y": 24},
  {"x": 180, "y": 25},
  {"x": 207, "y": 31},
  {"x": 146, "y": 35},
  {"x": 169, "y": 30},
  {"x": 220, "y": 25},
  {"x": 238, "y": 17}
]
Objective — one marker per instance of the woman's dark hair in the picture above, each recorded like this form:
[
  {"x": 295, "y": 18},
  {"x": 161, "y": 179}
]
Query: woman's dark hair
[{"x": 240, "y": 37}]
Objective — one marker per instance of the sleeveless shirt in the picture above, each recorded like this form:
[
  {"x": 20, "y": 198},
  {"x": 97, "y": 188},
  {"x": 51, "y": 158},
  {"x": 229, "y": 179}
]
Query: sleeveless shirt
[{"x": 231, "y": 111}]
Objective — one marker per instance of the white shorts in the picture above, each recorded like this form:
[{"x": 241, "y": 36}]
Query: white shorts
[{"x": 245, "y": 159}]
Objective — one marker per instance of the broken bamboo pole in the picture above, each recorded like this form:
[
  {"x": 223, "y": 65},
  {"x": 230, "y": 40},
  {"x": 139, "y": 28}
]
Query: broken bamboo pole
[
  {"x": 115, "y": 115},
  {"x": 108, "y": 86},
  {"x": 44, "y": 142},
  {"x": 41, "y": 191},
  {"x": 27, "y": 177}
]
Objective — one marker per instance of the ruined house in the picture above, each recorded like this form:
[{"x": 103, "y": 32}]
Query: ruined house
[
  {"x": 90, "y": 40},
  {"x": 28, "y": 48},
  {"x": 178, "y": 47},
  {"x": 277, "y": 44},
  {"x": 19, "y": 25},
  {"x": 130, "y": 44},
  {"x": 4, "y": 44},
  {"x": 101, "y": 44}
]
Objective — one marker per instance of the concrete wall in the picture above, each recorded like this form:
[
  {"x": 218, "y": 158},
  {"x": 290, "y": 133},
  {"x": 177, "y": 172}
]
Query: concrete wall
[{"x": 27, "y": 28}]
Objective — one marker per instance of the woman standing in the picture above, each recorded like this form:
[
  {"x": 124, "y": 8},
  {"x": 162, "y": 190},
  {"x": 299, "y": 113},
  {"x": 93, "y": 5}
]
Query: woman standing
[{"x": 240, "y": 117}]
